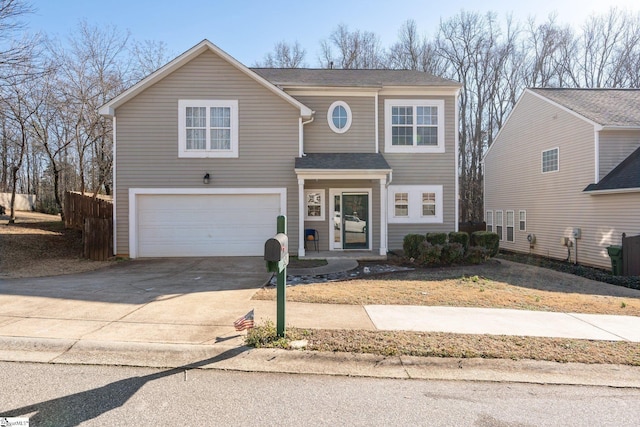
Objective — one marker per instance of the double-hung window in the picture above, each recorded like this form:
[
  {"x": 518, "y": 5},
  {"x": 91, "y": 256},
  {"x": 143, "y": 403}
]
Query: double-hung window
[
  {"x": 489, "y": 220},
  {"x": 415, "y": 204},
  {"x": 414, "y": 125},
  {"x": 499, "y": 224},
  {"x": 208, "y": 128},
  {"x": 510, "y": 226},
  {"x": 550, "y": 160},
  {"x": 523, "y": 220}
]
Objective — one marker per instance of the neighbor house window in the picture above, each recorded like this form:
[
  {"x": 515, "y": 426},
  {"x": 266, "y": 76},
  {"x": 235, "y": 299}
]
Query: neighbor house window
[
  {"x": 510, "y": 226},
  {"x": 402, "y": 204},
  {"x": 208, "y": 128},
  {"x": 428, "y": 204},
  {"x": 414, "y": 125},
  {"x": 339, "y": 117},
  {"x": 414, "y": 204},
  {"x": 314, "y": 205},
  {"x": 499, "y": 224},
  {"x": 489, "y": 220},
  {"x": 523, "y": 220},
  {"x": 550, "y": 160}
]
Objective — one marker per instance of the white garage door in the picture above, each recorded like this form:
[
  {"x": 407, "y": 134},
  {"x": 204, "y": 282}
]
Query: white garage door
[{"x": 170, "y": 225}]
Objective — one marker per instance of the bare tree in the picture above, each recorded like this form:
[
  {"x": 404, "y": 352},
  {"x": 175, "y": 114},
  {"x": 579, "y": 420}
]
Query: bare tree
[
  {"x": 284, "y": 55},
  {"x": 353, "y": 50},
  {"x": 146, "y": 57},
  {"x": 15, "y": 48}
]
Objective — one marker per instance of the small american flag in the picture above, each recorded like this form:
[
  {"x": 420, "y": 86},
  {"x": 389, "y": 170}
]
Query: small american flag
[{"x": 244, "y": 322}]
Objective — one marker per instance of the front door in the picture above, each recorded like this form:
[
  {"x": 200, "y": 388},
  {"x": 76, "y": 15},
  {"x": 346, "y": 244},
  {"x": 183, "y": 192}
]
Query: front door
[{"x": 350, "y": 220}]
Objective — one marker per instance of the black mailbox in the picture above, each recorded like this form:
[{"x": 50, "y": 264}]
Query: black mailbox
[{"x": 276, "y": 248}]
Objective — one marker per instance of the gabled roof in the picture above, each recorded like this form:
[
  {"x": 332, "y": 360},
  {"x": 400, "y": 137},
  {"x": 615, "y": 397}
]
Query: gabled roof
[
  {"x": 606, "y": 107},
  {"x": 624, "y": 176},
  {"x": 108, "y": 109},
  {"x": 300, "y": 77}
]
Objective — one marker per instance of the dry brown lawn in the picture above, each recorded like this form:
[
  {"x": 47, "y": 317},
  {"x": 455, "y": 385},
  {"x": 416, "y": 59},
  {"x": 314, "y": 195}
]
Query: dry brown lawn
[
  {"x": 497, "y": 284},
  {"x": 39, "y": 245}
]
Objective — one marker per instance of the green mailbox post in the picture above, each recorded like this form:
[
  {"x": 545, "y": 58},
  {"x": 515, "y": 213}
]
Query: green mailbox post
[{"x": 276, "y": 254}]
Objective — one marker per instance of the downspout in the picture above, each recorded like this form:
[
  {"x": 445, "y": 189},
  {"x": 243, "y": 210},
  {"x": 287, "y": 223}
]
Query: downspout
[
  {"x": 377, "y": 106},
  {"x": 596, "y": 138},
  {"x": 301, "y": 251},
  {"x": 457, "y": 172},
  {"x": 115, "y": 191},
  {"x": 301, "y": 134}
]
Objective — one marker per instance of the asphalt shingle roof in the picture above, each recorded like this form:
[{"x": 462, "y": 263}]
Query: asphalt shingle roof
[
  {"x": 625, "y": 175},
  {"x": 350, "y": 78},
  {"x": 607, "y": 107},
  {"x": 348, "y": 161}
]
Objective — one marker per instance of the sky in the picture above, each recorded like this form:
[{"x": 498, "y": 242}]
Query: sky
[{"x": 248, "y": 30}]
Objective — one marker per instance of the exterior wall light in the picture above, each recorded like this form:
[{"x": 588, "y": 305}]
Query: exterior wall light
[{"x": 206, "y": 178}]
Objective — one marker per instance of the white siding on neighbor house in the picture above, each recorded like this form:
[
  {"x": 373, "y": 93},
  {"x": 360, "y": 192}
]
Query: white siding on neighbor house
[
  {"x": 424, "y": 169},
  {"x": 555, "y": 203},
  {"x": 615, "y": 146},
  {"x": 147, "y": 139},
  {"x": 360, "y": 138}
]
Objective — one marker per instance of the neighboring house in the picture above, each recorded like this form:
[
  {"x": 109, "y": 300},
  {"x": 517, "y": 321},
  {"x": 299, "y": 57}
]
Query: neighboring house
[
  {"x": 208, "y": 152},
  {"x": 564, "y": 171}
]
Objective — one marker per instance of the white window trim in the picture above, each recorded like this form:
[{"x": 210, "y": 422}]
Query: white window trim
[
  {"x": 522, "y": 211},
  {"x": 500, "y": 224},
  {"x": 330, "y": 116},
  {"x": 182, "y": 125},
  {"x": 395, "y": 205},
  {"x": 489, "y": 220},
  {"x": 542, "y": 160},
  {"x": 390, "y": 148},
  {"x": 415, "y": 204},
  {"x": 322, "y": 205},
  {"x": 513, "y": 225}
]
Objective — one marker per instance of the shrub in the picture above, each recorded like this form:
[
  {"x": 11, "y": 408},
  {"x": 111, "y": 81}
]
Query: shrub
[
  {"x": 476, "y": 255},
  {"x": 437, "y": 238},
  {"x": 460, "y": 237},
  {"x": 452, "y": 253},
  {"x": 411, "y": 245},
  {"x": 487, "y": 240},
  {"x": 429, "y": 254}
]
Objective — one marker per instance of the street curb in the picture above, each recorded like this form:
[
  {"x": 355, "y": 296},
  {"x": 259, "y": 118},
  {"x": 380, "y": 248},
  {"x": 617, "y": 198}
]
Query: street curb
[{"x": 247, "y": 359}]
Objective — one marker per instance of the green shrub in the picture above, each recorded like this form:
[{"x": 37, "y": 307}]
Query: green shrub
[
  {"x": 265, "y": 336},
  {"x": 437, "y": 238},
  {"x": 452, "y": 253},
  {"x": 460, "y": 237},
  {"x": 429, "y": 254},
  {"x": 411, "y": 245},
  {"x": 476, "y": 255},
  {"x": 487, "y": 240}
]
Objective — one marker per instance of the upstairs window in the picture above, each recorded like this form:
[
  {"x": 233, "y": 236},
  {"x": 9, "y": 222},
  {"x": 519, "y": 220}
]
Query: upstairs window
[
  {"x": 550, "y": 160},
  {"x": 339, "y": 117},
  {"x": 414, "y": 125},
  {"x": 208, "y": 128}
]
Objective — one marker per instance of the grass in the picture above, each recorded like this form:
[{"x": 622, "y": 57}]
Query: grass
[{"x": 496, "y": 284}]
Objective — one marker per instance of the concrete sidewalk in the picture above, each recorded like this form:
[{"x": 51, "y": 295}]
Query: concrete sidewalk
[{"x": 169, "y": 313}]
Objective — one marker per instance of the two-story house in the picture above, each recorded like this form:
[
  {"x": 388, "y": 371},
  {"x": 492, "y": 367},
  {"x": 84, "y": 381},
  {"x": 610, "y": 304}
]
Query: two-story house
[
  {"x": 208, "y": 152},
  {"x": 562, "y": 178}
]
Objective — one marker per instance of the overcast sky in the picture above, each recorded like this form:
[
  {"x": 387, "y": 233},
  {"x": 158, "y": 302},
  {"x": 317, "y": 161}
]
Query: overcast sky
[{"x": 247, "y": 30}]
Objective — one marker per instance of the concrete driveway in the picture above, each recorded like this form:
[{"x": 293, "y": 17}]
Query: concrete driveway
[{"x": 181, "y": 301}]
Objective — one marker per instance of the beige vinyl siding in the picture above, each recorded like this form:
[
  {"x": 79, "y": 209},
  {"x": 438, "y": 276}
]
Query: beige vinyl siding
[
  {"x": 615, "y": 146},
  {"x": 323, "y": 226},
  {"x": 147, "y": 139},
  {"x": 555, "y": 202},
  {"x": 360, "y": 138},
  {"x": 424, "y": 169}
]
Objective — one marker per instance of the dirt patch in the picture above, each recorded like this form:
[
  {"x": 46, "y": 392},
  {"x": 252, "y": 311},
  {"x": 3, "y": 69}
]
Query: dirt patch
[{"x": 38, "y": 245}]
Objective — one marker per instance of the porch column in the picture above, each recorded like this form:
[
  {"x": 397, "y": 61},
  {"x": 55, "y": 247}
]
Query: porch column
[
  {"x": 383, "y": 217},
  {"x": 301, "y": 251}
]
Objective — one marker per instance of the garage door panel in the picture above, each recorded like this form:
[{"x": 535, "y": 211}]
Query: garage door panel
[{"x": 205, "y": 225}]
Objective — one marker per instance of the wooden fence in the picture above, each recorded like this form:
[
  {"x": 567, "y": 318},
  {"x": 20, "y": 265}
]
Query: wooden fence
[{"x": 94, "y": 217}]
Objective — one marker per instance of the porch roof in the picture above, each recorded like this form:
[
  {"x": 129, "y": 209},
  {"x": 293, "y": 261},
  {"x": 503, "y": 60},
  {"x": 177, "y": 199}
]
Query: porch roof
[{"x": 342, "y": 166}]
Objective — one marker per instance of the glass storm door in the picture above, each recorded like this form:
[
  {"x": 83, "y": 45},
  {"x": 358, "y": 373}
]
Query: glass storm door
[{"x": 355, "y": 221}]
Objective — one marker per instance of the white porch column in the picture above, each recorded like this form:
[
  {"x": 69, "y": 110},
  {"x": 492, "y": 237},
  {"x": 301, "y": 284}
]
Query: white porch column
[
  {"x": 383, "y": 217},
  {"x": 301, "y": 251}
]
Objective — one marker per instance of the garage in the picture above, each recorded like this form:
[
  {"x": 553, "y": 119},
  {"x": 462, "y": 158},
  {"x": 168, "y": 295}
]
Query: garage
[{"x": 216, "y": 223}]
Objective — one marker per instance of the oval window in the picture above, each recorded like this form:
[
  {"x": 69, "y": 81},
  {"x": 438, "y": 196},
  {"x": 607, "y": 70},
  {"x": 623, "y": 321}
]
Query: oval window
[{"x": 339, "y": 117}]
